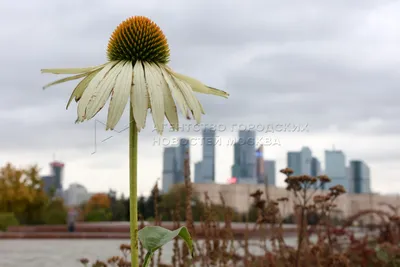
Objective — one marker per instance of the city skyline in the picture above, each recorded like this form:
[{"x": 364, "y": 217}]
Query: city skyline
[{"x": 250, "y": 167}]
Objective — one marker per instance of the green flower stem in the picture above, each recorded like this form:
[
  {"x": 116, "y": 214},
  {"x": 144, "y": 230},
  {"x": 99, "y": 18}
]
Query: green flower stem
[{"x": 133, "y": 209}]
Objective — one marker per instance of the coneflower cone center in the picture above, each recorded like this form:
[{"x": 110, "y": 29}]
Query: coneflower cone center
[{"x": 138, "y": 38}]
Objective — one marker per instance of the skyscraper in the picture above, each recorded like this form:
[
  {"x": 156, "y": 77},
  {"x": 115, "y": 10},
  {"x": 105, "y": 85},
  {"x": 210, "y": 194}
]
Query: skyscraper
[
  {"x": 315, "y": 167},
  {"x": 184, "y": 146},
  {"x": 57, "y": 171},
  {"x": 170, "y": 170},
  {"x": 173, "y": 164},
  {"x": 198, "y": 174},
  {"x": 360, "y": 177},
  {"x": 305, "y": 161},
  {"x": 335, "y": 168},
  {"x": 300, "y": 162},
  {"x": 208, "y": 163},
  {"x": 236, "y": 168},
  {"x": 316, "y": 170},
  {"x": 244, "y": 166},
  {"x": 260, "y": 165},
  {"x": 294, "y": 162},
  {"x": 270, "y": 172}
]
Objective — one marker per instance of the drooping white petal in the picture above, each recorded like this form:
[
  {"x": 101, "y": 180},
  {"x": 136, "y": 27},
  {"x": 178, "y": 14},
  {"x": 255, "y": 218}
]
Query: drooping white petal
[
  {"x": 139, "y": 95},
  {"x": 120, "y": 96},
  {"x": 169, "y": 105},
  {"x": 91, "y": 88},
  {"x": 72, "y": 70},
  {"x": 191, "y": 99},
  {"x": 201, "y": 106},
  {"x": 103, "y": 91},
  {"x": 66, "y": 79},
  {"x": 176, "y": 93},
  {"x": 154, "y": 86},
  {"x": 198, "y": 86},
  {"x": 80, "y": 88}
]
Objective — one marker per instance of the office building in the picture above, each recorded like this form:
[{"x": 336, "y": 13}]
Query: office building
[
  {"x": 360, "y": 177},
  {"x": 183, "y": 152},
  {"x": 335, "y": 168},
  {"x": 170, "y": 168},
  {"x": 53, "y": 183},
  {"x": 260, "y": 165},
  {"x": 236, "y": 171},
  {"x": 315, "y": 167},
  {"x": 300, "y": 162},
  {"x": 294, "y": 162},
  {"x": 205, "y": 170},
  {"x": 270, "y": 172},
  {"x": 173, "y": 164},
  {"x": 49, "y": 185},
  {"x": 316, "y": 170},
  {"x": 208, "y": 163},
  {"x": 57, "y": 171},
  {"x": 305, "y": 161},
  {"x": 244, "y": 167},
  {"x": 198, "y": 175}
]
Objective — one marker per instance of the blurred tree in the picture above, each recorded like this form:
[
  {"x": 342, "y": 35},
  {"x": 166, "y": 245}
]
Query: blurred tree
[
  {"x": 21, "y": 192},
  {"x": 98, "y": 208},
  {"x": 55, "y": 212},
  {"x": 142, "y": 206}
]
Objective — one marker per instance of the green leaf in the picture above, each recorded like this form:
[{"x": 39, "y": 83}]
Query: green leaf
[{"x": 154, "y": 237}]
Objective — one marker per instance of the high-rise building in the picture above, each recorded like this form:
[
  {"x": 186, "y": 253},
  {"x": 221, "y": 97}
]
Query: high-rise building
[
  {"x": 57, "y": 171},
  {"x": 244, "y": 166},
  {"x": 198, "y": 174},
  {"x": 170, "y": 168},
  {"x": 270, "y": 172},
  {"x": 208, "y": 163},
  {"x": 335, "y": 168},
  {"x": 316, "y": 170},
  {"x": 315, "y": 167},
  {"x": 294, "y": 162},
  {"x": 205, "y": 170},
  {"x": 173, "y": 164},
  {"x": 260, "y": 165},
  {"x": 236, "y": 168},
  {"x": 300, "y": 162},
  {"x": 305, "y": 161},
  {"x": 49, "y": 185},
  {"x": 360, "y": 177}
]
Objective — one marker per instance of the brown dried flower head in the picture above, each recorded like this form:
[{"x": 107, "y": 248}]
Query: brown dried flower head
[
  {"x": 84, "y": 261},
  {"x": 324, "y": 179},
  {"x": 337, "y": 190},
  {"x": 287, "y": 171}
]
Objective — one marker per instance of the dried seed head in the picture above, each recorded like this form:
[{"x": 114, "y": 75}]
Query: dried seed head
[
  {"x": 337, "y": 190},
  {"x": 138, "y": 38},
  {"x": 84, "y": 261},
  {"x": 324, "y": 179},
  {"x": 287, "y": 171}
]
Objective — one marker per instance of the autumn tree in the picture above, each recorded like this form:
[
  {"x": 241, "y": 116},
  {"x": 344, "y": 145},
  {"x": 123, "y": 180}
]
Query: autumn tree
[
  {"x": 21, "y": 193},
  {"x": 97, "y": 208}
]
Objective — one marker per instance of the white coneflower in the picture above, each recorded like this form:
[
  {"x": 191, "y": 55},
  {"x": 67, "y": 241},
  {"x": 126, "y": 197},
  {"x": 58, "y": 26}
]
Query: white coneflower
[{"x": 138, "y": 54}]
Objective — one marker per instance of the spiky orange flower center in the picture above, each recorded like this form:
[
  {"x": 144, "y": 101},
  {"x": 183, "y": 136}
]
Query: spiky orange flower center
[{"x": 138, "y": 38}]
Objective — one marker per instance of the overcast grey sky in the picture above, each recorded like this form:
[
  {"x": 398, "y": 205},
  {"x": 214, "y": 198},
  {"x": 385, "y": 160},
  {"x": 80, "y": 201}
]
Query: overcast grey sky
[{"x": 334, "y": 65}]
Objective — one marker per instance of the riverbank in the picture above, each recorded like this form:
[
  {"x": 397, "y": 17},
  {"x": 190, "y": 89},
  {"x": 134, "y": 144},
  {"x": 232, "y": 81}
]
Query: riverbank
[{"x": 121, "y": 230}]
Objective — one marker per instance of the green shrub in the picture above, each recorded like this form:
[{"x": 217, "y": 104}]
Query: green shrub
[
  {"x": 55, "y": 213},
  {"x": 98, "y": 215},
  {"x": 7, "y": 219}
]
